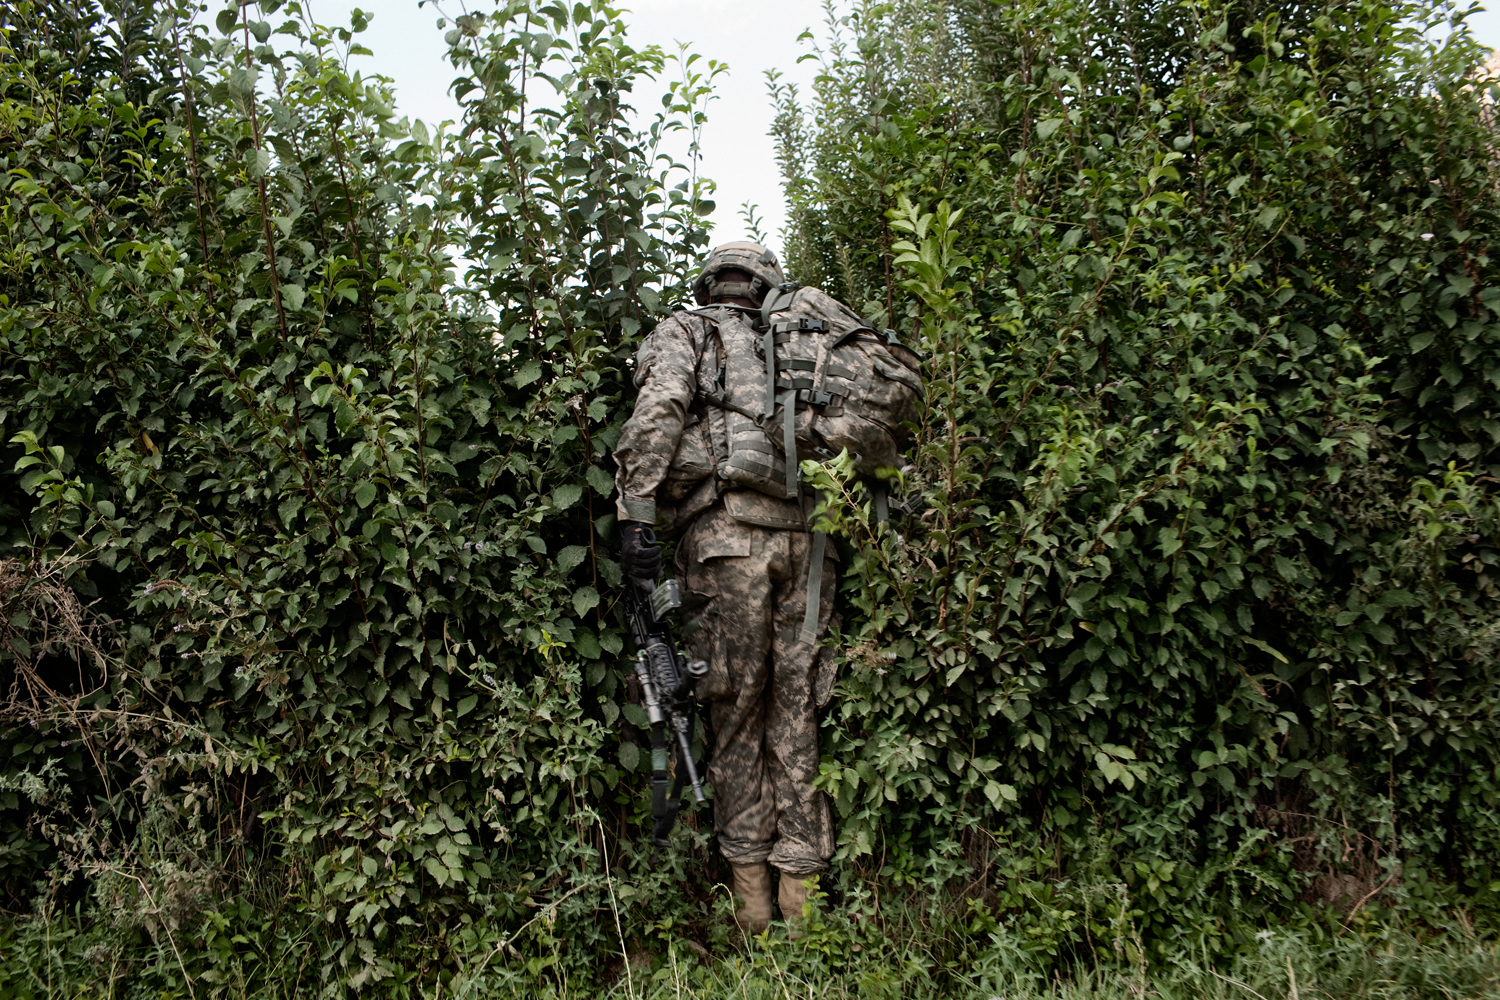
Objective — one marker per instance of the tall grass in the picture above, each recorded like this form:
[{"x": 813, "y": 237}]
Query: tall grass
[{"x": 901, "y": 954}]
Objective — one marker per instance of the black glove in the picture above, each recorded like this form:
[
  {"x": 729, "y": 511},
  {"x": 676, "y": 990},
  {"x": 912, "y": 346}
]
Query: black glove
[{"x": 640, "y": 553}]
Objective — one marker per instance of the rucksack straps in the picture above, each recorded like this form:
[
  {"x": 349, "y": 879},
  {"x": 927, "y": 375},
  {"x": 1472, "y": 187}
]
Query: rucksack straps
[
  {"x": 770, "y": 347},
  {"x": 777, "y": 300},
  {"x": 816, "y": 550},
  {"x": 789, "y": 442}
]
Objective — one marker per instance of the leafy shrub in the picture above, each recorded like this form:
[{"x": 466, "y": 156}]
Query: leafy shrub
[
  {"x": 343, "y": 513},
  {"x": 1208, "y": 579}
]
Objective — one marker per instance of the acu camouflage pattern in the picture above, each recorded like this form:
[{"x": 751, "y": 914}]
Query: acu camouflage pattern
[
  {"x": 669, "y": 367},
  {"x": 744, "y": 578},
  {"x": 744, "y": 595},
  {"x": 716, "y": 412}
]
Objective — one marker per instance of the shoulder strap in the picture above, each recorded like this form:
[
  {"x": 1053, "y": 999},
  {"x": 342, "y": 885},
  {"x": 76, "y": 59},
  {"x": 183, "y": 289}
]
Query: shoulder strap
[
  {"x": 713, "y": 315},
  {"x": 776, "y": 300}
]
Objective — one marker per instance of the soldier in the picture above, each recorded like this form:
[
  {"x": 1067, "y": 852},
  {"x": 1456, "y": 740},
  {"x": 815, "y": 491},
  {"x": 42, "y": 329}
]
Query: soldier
[{"x": 711, "y": 451}]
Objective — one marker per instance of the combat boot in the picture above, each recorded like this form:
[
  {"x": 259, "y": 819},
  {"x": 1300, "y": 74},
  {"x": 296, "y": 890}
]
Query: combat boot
[
  {"x": 752, "y": 883},
  {"x": 794, "y": 897}
]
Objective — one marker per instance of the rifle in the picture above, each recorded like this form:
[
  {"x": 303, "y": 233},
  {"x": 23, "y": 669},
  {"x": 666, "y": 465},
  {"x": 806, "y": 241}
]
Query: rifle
[{"x": 667, "y": 684}]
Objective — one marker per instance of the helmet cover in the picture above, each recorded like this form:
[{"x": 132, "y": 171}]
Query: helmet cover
[{"x": 752, "y": 258}]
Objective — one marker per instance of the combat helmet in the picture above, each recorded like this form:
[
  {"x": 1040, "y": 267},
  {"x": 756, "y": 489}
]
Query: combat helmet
[{"x": 742, "y": 255}]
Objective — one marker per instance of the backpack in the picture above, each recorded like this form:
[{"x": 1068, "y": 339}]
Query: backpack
[{"x": 804, "y": 376}]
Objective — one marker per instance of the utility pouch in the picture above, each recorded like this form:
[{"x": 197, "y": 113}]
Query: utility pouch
[
  {"x": 750, "y": 507},
  {"x": 691, "y": 463}
]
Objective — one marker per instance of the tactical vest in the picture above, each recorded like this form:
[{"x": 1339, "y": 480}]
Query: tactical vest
[{"x": 803, "y": 376}]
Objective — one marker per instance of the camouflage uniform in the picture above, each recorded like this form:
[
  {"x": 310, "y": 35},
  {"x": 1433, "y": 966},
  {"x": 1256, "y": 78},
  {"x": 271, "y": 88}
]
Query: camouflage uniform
[{"x": 744, "y": 599}]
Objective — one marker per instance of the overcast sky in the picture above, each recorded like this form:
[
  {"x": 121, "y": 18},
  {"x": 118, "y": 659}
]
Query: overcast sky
[{"x": 751, "y": 36}]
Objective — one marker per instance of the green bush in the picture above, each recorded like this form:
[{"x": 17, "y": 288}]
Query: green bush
[
  {"x": 337, "y": 513},
  {"x": 310, "y": 648},
  {"x": 1206, "y": 596}
]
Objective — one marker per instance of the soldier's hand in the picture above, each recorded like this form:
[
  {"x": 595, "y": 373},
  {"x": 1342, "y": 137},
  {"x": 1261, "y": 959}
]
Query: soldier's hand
[{"x": 640, "y": 553}]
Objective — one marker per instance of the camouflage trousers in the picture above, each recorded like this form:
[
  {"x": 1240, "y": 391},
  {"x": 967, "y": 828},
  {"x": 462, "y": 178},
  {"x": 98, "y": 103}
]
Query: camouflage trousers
[{"x": 745, "y": 589}]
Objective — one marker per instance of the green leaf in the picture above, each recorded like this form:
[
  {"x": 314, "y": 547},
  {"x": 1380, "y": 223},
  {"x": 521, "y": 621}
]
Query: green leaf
[
  {"x": 600, "y": 481},
  {"x": 364, "y": 493},
  {"x": 1264, "y": 647},
  {"x": 527, "y": 374},
  {"x": 584, "y": 599},
  {"x": 566, "y": 495},
  {"x": 571, "y": 556},
  {"x": 1397, "y": 597}
]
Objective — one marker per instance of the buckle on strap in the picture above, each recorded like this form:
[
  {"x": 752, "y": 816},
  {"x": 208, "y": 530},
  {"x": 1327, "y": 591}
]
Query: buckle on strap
[{"x": 801, "y": 324}]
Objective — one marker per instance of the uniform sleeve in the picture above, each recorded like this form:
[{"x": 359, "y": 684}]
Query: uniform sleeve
[{"x": 666, "y": 374}]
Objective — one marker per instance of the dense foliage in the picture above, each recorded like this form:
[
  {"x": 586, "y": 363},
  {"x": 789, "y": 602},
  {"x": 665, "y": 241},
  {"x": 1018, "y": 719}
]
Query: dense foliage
[
  {"x": 336, "y": 511},
  {"x": 308, "y": 601},
  {"x": 1207, "y": 594}
]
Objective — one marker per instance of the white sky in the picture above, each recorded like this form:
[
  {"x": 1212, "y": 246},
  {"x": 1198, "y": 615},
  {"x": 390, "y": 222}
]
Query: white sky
[{"x": 751, "y": 36}]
